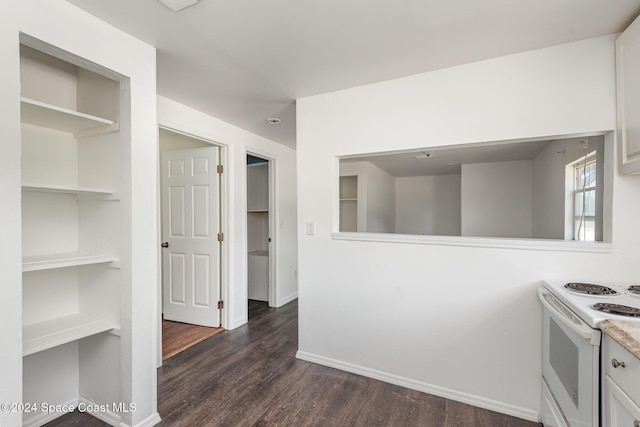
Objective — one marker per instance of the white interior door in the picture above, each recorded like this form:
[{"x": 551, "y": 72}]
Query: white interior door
[{"x": 190, "y": 227}]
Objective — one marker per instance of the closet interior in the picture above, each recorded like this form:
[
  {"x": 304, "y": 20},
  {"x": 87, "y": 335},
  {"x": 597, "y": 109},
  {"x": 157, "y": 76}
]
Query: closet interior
[
  {"x": 258, "y": 228},
  {"x": 74, "y": 177}
]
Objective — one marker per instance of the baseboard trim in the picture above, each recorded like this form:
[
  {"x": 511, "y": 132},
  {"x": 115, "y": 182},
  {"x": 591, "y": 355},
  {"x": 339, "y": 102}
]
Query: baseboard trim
[
  {"x": 108, "y": 416},
  {"x": 46, "y": 418},
  {"x": 150, "y": 421},
  {"x": 458, "y": 396},
  {"x": 288, "y": 299},
  {"x": 236, "y": 323}
]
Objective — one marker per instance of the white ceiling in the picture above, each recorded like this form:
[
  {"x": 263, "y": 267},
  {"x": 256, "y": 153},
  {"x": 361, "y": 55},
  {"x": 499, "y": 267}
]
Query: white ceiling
[
  {"x": 448, "y": 160},
  {"x": 244, "y": 61}
]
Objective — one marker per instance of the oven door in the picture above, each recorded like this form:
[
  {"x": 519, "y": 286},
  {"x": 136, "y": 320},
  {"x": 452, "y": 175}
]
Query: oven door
[{"x": 570, "y": 362}]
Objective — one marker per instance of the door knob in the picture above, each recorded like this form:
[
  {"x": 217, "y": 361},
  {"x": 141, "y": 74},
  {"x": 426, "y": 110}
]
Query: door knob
[
  {"x": 165, "y": 244},
  {"x": 616, "y": 364}
]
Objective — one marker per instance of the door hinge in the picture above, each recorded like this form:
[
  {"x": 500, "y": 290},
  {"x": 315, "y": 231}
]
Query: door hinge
[
  {"x": 220, "y": 237},
  {"x": 220, "y": 305},
  {"x": 220, "y": 168}
]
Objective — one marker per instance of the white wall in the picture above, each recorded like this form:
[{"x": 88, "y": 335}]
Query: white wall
[
  {"x": 67, "y": 27},
  {"x": 173, "y": 115},
  {"x": 11, "y": 250},
  {"x": 496, "y": 199},
  {"x": 376, "y": 196},
  {"x": 384, "y": 309},
  {"x": 428, "y": 205},
  {"x": 380, "y": 201},
  {"x": 174, "y": 141}
]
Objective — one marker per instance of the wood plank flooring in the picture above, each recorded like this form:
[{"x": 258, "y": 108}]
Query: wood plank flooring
[
  {"x": 177, "y": 337},
  {"x": 250, "y": 377}
]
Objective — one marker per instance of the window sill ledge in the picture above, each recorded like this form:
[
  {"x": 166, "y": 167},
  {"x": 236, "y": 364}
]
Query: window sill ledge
[{"x": 481, "y": 242}]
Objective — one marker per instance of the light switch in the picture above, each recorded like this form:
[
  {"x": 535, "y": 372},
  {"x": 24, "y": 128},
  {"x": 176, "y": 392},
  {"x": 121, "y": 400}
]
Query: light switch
[{"x": 311, "y": 228}]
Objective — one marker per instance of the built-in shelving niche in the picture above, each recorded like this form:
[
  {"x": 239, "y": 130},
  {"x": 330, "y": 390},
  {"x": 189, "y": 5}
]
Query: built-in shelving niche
[{"x": 71, "y": 234}]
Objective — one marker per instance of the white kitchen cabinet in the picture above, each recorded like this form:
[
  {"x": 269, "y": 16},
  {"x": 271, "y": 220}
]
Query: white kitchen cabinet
[
  {"x": 71, "y": 234},
  {"x": 621, "y": 386},
  {"x": 628, "y": 98}
]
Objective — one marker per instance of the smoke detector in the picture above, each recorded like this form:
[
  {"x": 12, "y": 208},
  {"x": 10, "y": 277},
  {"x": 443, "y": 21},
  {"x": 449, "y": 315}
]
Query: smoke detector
[{"x": 178, "y": 5}]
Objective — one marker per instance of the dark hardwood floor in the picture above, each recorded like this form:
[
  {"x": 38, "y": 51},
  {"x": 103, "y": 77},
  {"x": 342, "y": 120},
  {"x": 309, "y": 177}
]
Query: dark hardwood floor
[{"x": 250, "y": 377}]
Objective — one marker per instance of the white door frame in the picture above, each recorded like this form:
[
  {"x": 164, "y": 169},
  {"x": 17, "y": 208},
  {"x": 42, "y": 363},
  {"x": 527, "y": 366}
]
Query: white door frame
[
  {"x": 274, "y": 294},
  {"x": 224, "y": 228}
]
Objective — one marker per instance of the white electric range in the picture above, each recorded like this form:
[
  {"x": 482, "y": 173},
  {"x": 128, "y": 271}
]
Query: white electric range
[
  {"x": 574, "y": 295},
  {"x": 571, "y": 346}
]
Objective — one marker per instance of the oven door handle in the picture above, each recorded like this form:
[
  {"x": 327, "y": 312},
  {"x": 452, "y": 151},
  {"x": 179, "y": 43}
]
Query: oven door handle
[{"x": 567, "y": 318}]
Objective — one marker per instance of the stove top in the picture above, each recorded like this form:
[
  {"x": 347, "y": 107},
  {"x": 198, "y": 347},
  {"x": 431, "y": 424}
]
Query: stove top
[
  {"x": 590, "y": 289},
  {"x": 596, "y": 302},
  {"x": 618, "y": 309}
]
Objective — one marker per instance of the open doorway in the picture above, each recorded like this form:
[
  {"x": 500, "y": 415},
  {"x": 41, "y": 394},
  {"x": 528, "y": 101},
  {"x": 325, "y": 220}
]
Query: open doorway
[
  {"x": 190, "y": 199},
  {"x": 260, "y": 243}
]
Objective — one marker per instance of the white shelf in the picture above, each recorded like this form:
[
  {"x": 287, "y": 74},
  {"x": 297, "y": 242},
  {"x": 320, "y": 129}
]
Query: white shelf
[
  {"x": 45, "y": 335},
  {"x": 51, "y": 116},
  {"x": 73, "y": 259},
  {"x": 261, "y": 252},
  {"x": 258, "y": 211},
  {"x": 68, "y": 189},
  {"x": 349, "y": 200}
]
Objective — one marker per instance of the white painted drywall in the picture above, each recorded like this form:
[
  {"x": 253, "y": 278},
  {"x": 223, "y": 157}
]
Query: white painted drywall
[
  {"x": 376, "y": 196},
  {"x": 257, "y": 231},
  {"x": 10, "y": 232},
  {"x": 54, "y": 369},
  {"x": 173, "y": 115},
  {"x": 258, "y": 276},
  {"x": 174, "y": 141},
  {"x": 428, "y": 205},
  {"x": 457, "y": 321},
  {"x": 496, "y": 199},
  {"x": 55, "y": 162},
  {"x": 87, "y": 37},
  {"x": 258, "y": 186},
  {"x": 380, "y": 201},
  {"x": 54, "y": 84}
]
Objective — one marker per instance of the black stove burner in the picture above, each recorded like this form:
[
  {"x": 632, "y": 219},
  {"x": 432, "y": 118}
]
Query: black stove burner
[
  {"x": 634, "y": 289},
  {"x": 620, "y": 310},
  {"x": 590, "y": 289}
]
